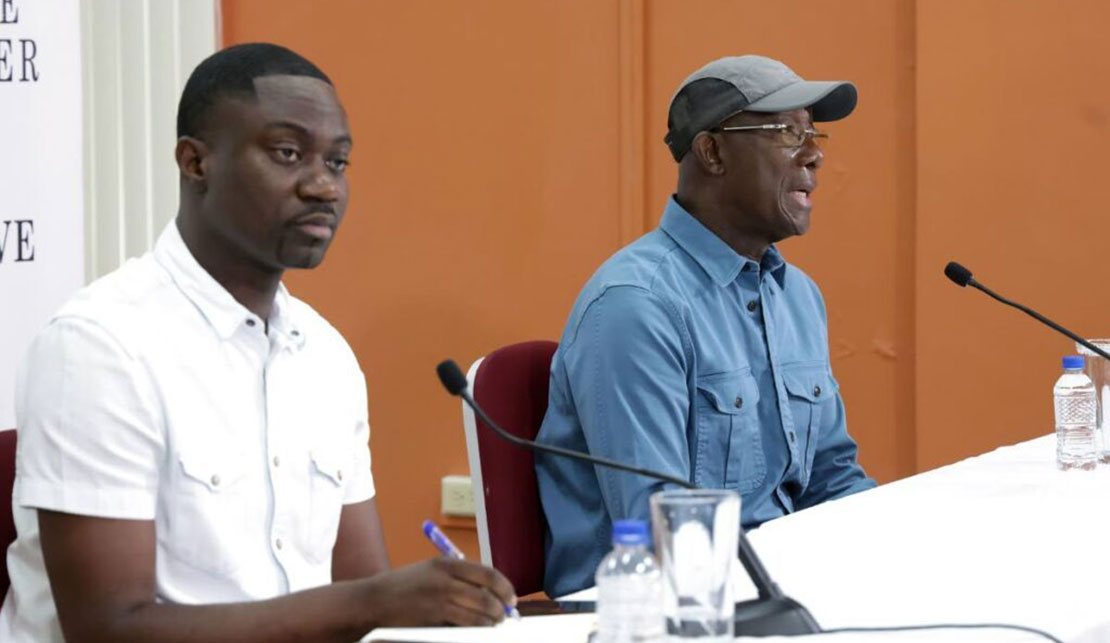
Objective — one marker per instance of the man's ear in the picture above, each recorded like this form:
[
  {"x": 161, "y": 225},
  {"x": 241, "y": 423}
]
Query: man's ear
[
  {"x": 192, "y": 160},
  {"x": 705, "y": 150}
]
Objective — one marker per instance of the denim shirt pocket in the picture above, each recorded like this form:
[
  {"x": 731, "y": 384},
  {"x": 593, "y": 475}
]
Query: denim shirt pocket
[
  {"x": 729, "y": 446},
  {"x": 811, "y": 392}
]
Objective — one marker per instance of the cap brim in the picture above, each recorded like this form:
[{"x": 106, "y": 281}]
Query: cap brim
[{"x": 831, "y": 100}]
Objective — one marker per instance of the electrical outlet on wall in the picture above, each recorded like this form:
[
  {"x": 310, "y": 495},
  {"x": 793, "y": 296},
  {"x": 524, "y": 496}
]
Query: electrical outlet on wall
[{"x": 457, "y": 496}]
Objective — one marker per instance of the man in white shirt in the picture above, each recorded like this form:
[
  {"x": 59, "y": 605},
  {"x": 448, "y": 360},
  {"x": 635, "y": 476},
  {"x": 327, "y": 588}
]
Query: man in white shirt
[{"x": 193, "y": 458}]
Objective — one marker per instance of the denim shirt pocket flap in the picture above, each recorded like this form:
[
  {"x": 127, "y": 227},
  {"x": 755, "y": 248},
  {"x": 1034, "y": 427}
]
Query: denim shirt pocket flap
[
  {"x": 730, "y": 393},
  {"x": 811, "y": 383},
  {"x": 329, "y": 465},
  {"x": 216, "y": 472},
  {"x": 730, "y": 453}
]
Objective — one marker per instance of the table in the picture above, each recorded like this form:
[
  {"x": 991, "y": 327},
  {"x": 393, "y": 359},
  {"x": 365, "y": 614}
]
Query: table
[{"x": 1002, "y": 537}]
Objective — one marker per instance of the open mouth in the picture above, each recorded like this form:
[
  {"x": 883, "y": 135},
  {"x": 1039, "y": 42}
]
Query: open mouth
[{"x": 801, "y": 197}]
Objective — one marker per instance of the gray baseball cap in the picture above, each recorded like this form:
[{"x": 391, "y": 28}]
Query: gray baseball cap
[{"x": 728, "y": 86}]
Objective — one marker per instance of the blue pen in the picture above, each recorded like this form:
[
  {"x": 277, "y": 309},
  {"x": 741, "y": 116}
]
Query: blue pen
[{"x": 448, "y": 548}]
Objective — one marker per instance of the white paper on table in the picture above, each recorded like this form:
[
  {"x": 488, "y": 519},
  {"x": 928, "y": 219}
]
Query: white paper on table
[
  {"x": 560, "y": 628},
  {"x": 742, "y": 586}
]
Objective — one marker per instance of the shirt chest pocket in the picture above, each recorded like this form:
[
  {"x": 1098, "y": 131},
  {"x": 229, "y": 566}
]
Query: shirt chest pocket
[
  {"x": 329, "y": 469},
  {"x": 729, "y": 450},
  {"x": 811, "y": 392},
  {"x": 210, "y": 512}
]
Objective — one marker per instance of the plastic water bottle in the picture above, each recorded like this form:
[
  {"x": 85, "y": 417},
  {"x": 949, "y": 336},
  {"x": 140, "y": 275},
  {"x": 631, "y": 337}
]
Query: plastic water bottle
[
  {"x": 1076, "y": 447},
  {"x": 629, "y": 588}
]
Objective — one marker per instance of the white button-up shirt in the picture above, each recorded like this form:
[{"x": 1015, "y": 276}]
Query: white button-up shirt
[{"x": 154, "y": 395}]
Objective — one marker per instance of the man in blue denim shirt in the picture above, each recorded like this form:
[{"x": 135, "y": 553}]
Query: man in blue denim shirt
[{"x": 697, "y": 350}]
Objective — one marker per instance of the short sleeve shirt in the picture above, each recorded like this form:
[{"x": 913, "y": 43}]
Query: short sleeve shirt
[{"x": 154, "y": 395}]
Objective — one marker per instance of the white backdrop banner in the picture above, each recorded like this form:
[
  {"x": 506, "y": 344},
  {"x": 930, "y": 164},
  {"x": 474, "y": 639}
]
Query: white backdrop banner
[{"x": 41, "y": 202}]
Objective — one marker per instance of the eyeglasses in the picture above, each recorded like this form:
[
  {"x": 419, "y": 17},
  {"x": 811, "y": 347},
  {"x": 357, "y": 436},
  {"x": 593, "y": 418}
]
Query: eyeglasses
[{"x": 788, "y": 135}]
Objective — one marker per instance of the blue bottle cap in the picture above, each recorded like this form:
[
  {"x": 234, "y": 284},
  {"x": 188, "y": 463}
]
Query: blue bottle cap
[
  {"x": 630, "y": 532},
  {"x": 1073, "y": 361}
]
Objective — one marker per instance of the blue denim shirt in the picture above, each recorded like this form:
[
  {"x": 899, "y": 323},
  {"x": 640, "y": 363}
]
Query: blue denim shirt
[{"x": 683, "y": 356}]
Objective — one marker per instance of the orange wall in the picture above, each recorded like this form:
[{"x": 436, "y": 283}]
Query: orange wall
[
  {"x": 1010, "y": 164},
  {"x": 505, "y": 148}
]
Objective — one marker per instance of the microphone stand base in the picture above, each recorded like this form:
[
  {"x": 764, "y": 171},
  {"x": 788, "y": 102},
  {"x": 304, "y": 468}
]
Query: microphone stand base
[{"x": 773, "y": 617}]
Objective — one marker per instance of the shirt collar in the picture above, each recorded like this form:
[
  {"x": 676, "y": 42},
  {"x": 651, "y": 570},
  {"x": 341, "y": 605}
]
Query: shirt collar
[
  {"x": 215, "y": 303},
  {"x": 716, "y": 257},
  {"x": 283, "y": 321}
]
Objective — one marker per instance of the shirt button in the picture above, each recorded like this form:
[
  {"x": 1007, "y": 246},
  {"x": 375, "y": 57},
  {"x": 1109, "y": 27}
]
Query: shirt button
[
  {"x": 277, "y": 543},
  {"x": 277, "y": 461},
  {"x": 791, "y": 437},
  {"x": 215, "y": 481},
  {"x": 739, "y": 402},
  {"x": 339, "y": 474},
  {"x": 296, "y": 333},
  {"x": 752, "y": 305},
  {"x": 816, "y": 391},
  {"x": 250, "y": 322}
]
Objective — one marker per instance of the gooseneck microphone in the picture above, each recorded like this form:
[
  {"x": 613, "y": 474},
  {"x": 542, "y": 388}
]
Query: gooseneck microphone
[
  {"x": 962, "y": 277},
  {"x": 773, "y": 613}
]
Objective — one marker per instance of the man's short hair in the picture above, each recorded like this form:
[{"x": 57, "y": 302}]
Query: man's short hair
[{"x": 232, "y": 71}]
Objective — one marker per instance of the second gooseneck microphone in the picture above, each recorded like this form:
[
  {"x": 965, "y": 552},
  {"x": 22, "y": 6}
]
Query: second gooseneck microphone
[{"x": 962, "y": 277}]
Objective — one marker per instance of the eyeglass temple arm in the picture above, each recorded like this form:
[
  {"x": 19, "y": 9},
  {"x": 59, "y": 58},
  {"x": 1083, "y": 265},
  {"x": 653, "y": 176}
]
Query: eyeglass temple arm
[{"x": 737, "y": 128}]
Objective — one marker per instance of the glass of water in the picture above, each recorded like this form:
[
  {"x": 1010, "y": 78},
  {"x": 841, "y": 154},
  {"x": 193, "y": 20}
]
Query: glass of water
[
  {"x": 1098, "y": 369},
  {"x": 696, "y": 533}
]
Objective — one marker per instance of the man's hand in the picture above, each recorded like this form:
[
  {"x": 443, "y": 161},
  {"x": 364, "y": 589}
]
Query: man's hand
[
  {"x": 438, "y": 591},
  {"x": 432, "y": 592}
]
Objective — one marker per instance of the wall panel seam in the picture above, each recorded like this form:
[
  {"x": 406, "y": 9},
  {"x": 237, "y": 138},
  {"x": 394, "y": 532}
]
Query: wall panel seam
[{"x": 631, "y": 113}]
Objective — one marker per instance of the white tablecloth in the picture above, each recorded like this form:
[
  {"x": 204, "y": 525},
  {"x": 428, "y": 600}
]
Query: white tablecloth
[
  {"x": 1003, "y": 537},
  {"x": 999, "y": 538}
]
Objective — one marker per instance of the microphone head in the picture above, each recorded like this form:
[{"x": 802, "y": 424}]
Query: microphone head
[
  {"x": 453, "y": 379},
  {"x": 957, "y": 273}
]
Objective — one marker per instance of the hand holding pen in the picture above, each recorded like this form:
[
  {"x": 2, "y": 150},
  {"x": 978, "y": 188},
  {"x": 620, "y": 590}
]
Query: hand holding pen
[
  {"x": 440, "y": 591},
  {"x": 448, "y": 548}
]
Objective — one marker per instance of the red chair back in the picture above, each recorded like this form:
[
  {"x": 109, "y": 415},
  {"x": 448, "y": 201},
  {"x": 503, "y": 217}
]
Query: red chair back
[
  {"x": 511, "y": 385},
  {"x": 7, "y": 522}
]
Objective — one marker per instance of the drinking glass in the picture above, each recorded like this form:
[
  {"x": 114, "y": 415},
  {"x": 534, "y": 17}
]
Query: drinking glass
[
  {"x": 696, "y": 533},
  {"x": 1098, "y": 369}
]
